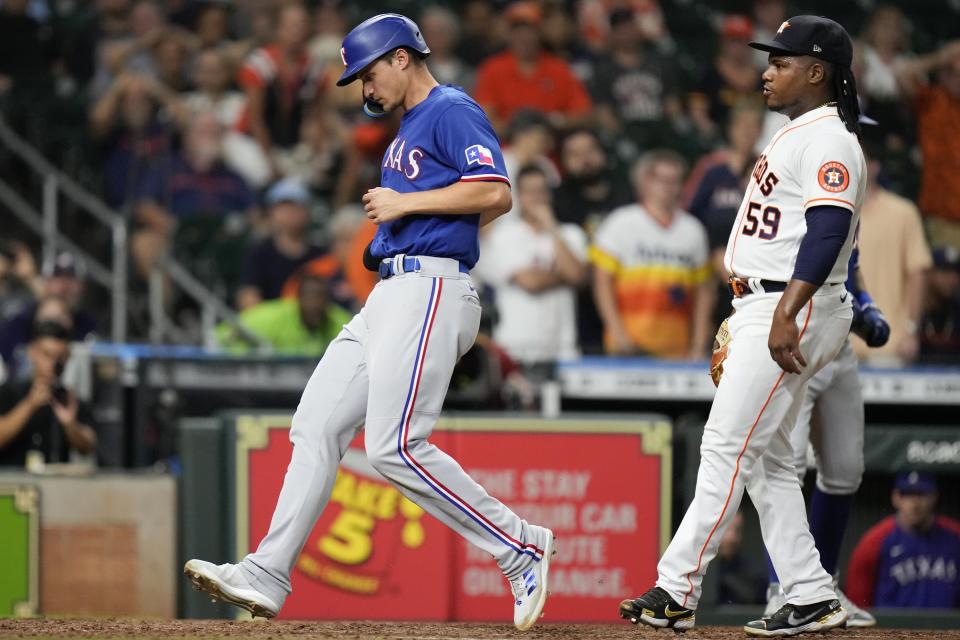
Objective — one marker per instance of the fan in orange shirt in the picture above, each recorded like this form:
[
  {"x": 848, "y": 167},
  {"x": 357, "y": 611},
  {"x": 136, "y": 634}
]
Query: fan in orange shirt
[
  {"x": 350, "y": 281},
  {"x": 525, "y": 76}
]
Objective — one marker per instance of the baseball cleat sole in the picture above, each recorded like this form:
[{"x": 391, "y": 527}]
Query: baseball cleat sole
[
  {"x": 208, "y": 584},
  {"x": 679, "y": 626}
]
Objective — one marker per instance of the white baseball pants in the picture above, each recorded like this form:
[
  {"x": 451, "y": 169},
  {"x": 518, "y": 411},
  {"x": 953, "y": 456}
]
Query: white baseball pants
[
  {"x": 389, "y": 370},
  {"x": 746, "y": 445},
  {"x": 831, "y": 419}
]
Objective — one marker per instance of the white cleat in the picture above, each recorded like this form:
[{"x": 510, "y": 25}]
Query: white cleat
[
  {"x": 226, "y": 582},
  {"x": 530, "y": 589},
  {"x": 856, "y": 617}
]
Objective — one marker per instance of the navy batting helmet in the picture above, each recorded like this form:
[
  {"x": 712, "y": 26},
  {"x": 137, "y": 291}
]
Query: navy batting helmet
[{"x": 374, "y": 37}]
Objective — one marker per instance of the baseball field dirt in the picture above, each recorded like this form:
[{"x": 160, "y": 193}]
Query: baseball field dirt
[{"x": 136, "y": 629}]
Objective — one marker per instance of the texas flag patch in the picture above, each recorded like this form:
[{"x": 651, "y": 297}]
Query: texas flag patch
[{"x": 479, "y": 154}]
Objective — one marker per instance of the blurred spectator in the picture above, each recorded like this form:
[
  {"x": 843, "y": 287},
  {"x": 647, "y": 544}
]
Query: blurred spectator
[
  {"x": 127, "y": 121},
  {"x": 320, "y": 158},
  {"x": 61, "y": 301},
  {"x": 329, "y": 28},
  {"x": 590, "y": 187},
  {"x": 561, "y": 38},
  {"x": 589, "y": 191},
  {"x": 768, "y": 15},
  {"x": 281, "y": 83},
  {"x": 441, "y": 30},
  {"x": 884, "y": 47},
  {"x": 884, "y": 50},
  {"x": 362, "y": 281},
  {"x": 332, "y": 267},
  {"x": 211, "y": 28},
  {"x": 41, "y": 414},
  {"x": 937, "y": 109},
  {"x": 194, "y": 185},
  {"x": 86, "y": 34},
  {"x": 211, "y": 24},
  {"x": 301, "y": 326},
  {"x": 481, "y": 34},
  {"x": 652, "y": 270},
  {"x": 940, "y": 323},
  {"x": 594, "y": 19},
  {"x": 716, "y": 186},
  {"x": 151, "y": 47},
  {"x": 634, "y": 87},
  {"x": 894, "y": 258},
  {"x": 730, "y": 80},
  {"x": 526, "y": 76},
  {"x": 212, "y": 92},
  {"x": 536, "y": 266},
  {"x": 530, "y": 142},
  {"x": 268, "y": 263},
  {"x": 20, "y": 281},
  {"x": 170, "y": 61},
  {"x": 909, "y": 559},
  {"x": 738, "y": 579}
]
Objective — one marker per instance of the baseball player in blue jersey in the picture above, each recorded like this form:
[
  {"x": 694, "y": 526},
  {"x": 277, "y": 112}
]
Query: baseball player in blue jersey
[
  {"x": 442, "y": 178},
  {"x": 909, "y": 559}
]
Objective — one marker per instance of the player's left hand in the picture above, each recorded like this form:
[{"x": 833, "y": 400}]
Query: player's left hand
[
  {"x": 784, "y": 344},
  {"x": 870, "y": 324},
  {"x": 383, "y": 205}
]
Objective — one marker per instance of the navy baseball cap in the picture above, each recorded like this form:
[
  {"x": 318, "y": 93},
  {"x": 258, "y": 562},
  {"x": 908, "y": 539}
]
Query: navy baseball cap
[
  {"x": 915, "y": 482},
  {"x": 813, "y": 36},
  {"x": 946, "y": 258},
  {"x": 287, "y": 190},
  {"x": 64, "y": 264}
]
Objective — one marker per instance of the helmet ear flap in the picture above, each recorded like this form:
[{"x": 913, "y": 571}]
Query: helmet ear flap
[{"x": 373, "y": 109}]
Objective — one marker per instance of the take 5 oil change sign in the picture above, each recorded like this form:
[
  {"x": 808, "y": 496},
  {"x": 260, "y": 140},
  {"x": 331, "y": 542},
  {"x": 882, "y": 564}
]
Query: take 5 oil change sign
[{"x": 376, "y": 555}]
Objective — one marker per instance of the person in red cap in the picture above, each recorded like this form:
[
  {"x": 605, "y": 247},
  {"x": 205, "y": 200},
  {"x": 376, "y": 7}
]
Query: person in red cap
[{"x": 526, "y": 76}]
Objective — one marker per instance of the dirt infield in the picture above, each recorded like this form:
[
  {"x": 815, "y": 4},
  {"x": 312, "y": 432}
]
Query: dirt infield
[{"x": 115, "y": 628}]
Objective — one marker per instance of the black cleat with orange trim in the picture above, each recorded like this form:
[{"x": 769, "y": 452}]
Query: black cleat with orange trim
[{"x": 657, "y": 609}]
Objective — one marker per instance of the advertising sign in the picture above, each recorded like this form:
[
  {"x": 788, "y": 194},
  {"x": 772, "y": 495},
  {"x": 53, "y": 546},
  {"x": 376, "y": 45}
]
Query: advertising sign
[{"x": 602, "y": 486}]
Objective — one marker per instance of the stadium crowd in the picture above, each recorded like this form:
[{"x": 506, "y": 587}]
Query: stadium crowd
[{"x": 630, "y": 128}]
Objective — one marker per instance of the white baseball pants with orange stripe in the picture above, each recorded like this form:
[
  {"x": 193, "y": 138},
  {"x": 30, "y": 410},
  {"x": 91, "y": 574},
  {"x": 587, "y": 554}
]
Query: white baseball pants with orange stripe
[
  {"x": 389, "y": 370},
  {"x": 746, "y": 445}
]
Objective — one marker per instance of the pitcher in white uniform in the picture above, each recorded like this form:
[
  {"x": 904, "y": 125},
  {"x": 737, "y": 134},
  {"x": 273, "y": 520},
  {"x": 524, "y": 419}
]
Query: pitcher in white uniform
[{"x": 788, "y": 252}]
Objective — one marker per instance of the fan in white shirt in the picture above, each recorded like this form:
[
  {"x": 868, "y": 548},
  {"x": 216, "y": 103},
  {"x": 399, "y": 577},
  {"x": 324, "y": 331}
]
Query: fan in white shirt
[{"x": 535, "y": 266}]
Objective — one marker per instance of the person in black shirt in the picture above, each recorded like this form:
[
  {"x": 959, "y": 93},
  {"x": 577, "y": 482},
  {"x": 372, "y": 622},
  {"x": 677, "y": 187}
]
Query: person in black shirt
[
  {"x": 40, "y": 414},
  {"x": 270, "y": 262},
  {"x": 591, "y": 188}
]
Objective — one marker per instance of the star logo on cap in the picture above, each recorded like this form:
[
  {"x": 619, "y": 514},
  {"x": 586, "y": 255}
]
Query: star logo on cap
[{"x": 785, "y": 25}]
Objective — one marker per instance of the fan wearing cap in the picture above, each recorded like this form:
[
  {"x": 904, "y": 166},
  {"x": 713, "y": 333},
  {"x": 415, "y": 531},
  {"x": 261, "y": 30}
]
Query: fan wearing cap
[
  {"x": 388, "y": 370},
  {"x": 788, "y": 253},
  {"x": 910, "y": 559},
  {"x": 525, "y": 76},
  {"x": 63, "y": 281}
]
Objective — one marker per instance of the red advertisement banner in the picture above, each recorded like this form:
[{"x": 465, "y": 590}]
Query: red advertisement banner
[{"x": 601, "y": 485}]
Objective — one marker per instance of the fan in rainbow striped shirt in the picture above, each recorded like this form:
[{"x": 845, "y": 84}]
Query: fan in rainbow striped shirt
[{"x": 652, "y": 278}]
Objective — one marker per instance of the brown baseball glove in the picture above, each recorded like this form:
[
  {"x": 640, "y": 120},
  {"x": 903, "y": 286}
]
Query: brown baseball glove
[{"x": 720, "y": 343}]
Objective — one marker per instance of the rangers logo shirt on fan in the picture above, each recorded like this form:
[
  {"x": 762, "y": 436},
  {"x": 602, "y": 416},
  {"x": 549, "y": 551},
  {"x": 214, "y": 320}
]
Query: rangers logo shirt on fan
[{"x": 443, "y": 140}]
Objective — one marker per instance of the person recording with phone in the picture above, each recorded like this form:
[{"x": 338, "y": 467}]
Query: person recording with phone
[{"x": 40, "y": 416}]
